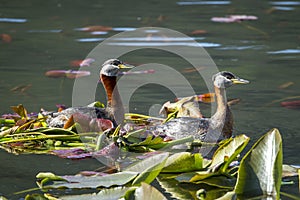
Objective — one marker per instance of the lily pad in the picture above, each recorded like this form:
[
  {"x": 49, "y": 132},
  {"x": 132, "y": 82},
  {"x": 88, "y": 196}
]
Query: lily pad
[
  {"x": 183, "y": 162},
  {"x": 229, "y": 151},
  {"x": 148, "y": 168},
  {"x": 79, "y": 181},
  {"x": 148, "y": 192},
  {"x": 260, "y": 170}
]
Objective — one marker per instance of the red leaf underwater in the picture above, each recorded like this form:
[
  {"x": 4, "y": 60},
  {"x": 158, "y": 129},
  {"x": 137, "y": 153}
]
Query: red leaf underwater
[{"x": 291, "y": 104}]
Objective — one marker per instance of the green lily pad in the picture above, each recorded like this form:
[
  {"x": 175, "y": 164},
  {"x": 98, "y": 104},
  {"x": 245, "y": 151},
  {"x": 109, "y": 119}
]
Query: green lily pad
[
  {"x": 183, "y": 162},
  {"x": 149, "y": 168},
  {"x": 228, "y": 152},
  {"x": 148, "y": 192},
  {"x": 261, "y": 168},
  {"x": 79, "y": 181}
]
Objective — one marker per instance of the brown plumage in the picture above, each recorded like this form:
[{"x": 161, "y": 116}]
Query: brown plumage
[
  {"x": 218, "y": 127},
  {"x": 114, "y": 110}
]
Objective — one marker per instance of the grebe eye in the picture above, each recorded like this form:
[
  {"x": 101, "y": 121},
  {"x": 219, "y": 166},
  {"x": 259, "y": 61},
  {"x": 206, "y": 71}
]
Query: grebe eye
[{"x": 228, "y": 75}]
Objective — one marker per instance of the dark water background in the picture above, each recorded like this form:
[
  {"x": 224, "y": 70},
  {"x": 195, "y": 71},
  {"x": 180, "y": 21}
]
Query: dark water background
[{"x": 265, "y": 51}]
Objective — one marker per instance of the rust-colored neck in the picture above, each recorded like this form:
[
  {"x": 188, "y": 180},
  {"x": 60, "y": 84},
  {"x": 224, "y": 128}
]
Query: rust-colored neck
[
  {"x": 109, "y": 83},
  {"x": 114, "y": 102}
]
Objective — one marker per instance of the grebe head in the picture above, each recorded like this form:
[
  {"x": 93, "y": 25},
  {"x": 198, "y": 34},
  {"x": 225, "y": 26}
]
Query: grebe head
[
  {"x": 112, "y": 67},
  {"x": 226, "y": 79}
]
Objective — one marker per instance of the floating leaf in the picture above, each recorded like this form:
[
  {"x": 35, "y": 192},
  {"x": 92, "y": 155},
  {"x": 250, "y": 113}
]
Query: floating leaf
[
  {"x": 148, "y": 168},
  {"x": 6, "y": 38},
  {"x": 288, "y": 171},
  {"x": 260, "y": 170},
  {"x": 198, "y": 32},
  {"x": 286, "y": 85},
  {"x": 219, "y": 181},
  {"x": 94, "y": 28},
  {"x": 148, "y": 192},
  {"x": 79, "y": 181},
  {"x": 104, "y": 194},
  {"x": 228, "y": 152},
  {"x": 183, "y": 162},
  {"x": 67, "y": 73},
  {"x": 185, "y": 107},
  {"x": 171, "y": 186},
  {"x": 228, "y": 196},
  {"x": 291, "y": 104},
  {"x": 82, "y": 63},
  {"x": 20, "y": 110}
]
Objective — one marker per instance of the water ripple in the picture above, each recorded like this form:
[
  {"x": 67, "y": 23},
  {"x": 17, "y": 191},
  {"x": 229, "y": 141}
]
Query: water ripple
[
  {"x": 285, "y": 3},
  {"x": 285, "y": 51},
  {"x": 153, "y": 44},
  {"x": 13, "y": 20},
  {"x": 188, "y": 3}
]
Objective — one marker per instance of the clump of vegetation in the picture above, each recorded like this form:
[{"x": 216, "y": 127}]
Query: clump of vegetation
[{"x": 158, "y": 166}]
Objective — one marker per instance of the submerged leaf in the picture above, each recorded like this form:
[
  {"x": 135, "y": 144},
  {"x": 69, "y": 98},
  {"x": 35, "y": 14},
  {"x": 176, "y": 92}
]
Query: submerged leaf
[
  {"x": 291, "y": 104},
  {"x": 260, "y": 170}
]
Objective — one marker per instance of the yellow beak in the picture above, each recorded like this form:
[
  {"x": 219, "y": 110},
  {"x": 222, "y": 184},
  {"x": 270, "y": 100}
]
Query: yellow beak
[
  {"x": 125, "y": 66},
  {"x": 239, "y": 81}
]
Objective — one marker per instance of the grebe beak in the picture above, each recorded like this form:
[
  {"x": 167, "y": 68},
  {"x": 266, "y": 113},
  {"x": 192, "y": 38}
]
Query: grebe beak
[
  {"x": 239, "y": 81},
  {"x": 125, "y": 66}
]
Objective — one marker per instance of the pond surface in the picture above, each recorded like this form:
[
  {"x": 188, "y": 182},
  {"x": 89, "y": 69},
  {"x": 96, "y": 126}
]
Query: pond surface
[{"x": 45, "y": 36}]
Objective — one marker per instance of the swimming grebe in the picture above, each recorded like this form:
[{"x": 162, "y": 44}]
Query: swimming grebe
[
  {"x": 114, "y": 110},
  {"x": 216, "y": 128}
]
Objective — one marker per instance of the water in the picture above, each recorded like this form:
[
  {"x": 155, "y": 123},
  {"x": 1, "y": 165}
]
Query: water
[{"x": 45, "y": 37}]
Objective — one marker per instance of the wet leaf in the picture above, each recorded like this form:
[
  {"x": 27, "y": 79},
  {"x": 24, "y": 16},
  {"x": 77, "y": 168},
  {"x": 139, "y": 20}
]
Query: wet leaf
[
  {"x": 149, "y": 168},
  {"x": 185, "y": 107},
  {"x": 148, "y": 192},
  {"x": 67, "y": 73},
  {"x": 171, "y": 186},
  {"x": 219, "y": 181},
  {"x": 20, "y": 110},
  {"x": 286, "y": 85},
  {"x": 183, "y": 162},
  {"x": 291, "y": 104},
  {"x": 261, "y": 168},
  {"x": 228, "y": 152},
  {"x": 82, "y": 63},
  {"x": 198, "y": 32},
  {"x": 6, "y": 38},
  {"x": 79, "y": 181},
  {"x": 288, "y": 171},
  {"x": 228, "y": 196},
  {"x": 94, "y": 28},
  {"x": 104, "y": 194}
]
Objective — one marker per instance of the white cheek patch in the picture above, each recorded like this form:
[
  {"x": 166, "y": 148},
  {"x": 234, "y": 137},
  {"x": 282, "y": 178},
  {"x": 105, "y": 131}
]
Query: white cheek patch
[{"x": 219, "y": 82}]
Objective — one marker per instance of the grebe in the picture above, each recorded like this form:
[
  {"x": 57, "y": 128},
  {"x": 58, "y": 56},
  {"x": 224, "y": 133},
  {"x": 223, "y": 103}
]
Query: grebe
[
  {"x": 114, "y": 110},
  {"x": 216, "y": 128}
]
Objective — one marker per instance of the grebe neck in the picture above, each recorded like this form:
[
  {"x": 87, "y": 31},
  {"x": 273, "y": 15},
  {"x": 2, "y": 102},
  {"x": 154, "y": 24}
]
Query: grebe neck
[
  {"x": 221, "y": 101},
  {"x": 114, "y": 102}
]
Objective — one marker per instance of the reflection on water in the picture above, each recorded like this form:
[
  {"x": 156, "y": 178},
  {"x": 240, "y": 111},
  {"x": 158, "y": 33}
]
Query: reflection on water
[{"x": 45, "y": 37}]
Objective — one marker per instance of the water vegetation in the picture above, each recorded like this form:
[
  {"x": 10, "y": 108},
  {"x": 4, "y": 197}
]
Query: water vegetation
[{"x": 141, "y": 165}]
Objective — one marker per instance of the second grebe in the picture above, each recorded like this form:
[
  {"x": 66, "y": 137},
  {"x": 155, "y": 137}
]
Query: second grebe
[{"x": 218, "y": 127}]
